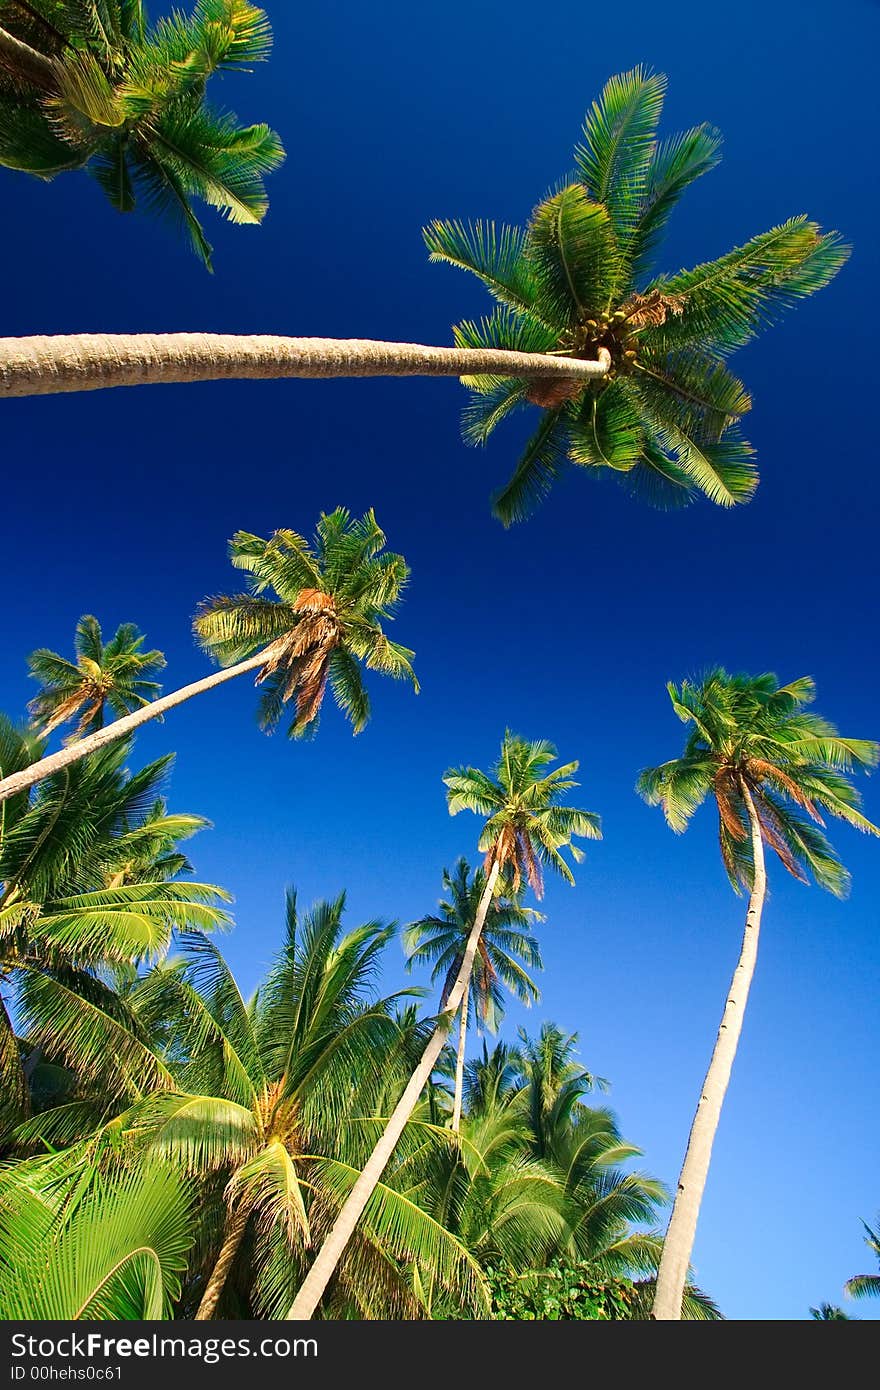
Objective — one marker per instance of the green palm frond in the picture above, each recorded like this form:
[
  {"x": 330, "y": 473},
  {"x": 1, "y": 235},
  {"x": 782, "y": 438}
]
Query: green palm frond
[
  {"x": 118, "y": 1253},
  {"x": 127, "y": 102}
]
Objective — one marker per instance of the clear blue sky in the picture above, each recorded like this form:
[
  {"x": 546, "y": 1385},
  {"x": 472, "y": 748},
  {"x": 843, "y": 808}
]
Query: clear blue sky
[{"x": 121, "y": 504}]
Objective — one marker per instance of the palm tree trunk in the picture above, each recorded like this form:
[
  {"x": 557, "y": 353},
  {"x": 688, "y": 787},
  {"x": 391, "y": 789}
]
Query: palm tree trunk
[
  {"x": 679, "y": 1241},
  {"x": 459, "y": 1061},
  {"x": 20, "y": 781},
  {"x": 343, "y": 1229},
  {"x": 26, "y": 63},
  {"x": 41, "y": 366},
  {"x": 236, "y": 1224}
]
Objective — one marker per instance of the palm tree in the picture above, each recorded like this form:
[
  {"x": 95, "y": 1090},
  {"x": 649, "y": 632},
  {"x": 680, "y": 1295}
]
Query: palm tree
[
  {"x": 270, "y": 1104},
  {"x": 574, "y": 303},
  {"x": 773, "y": 768},
  {"x": 578, "y": 282},
  {"x": 87, "y": 884},
  {"x": 87, "y": 84},
  {"x": 829, "y": 1312},
  {"x": 504, "y": 950},
  {"x": 326, "y": 623},
  {"x": 866, "y": 1285},
  {"x": 113, "y": 675},
  {"x": 526, "y": 827}
]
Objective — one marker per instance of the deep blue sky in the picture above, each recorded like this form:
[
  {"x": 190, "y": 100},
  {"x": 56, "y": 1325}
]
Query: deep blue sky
[{"x": 121, "y": 504}]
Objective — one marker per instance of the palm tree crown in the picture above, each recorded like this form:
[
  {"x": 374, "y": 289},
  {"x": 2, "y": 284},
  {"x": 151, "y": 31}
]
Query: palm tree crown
[
  {"x": 505, "y": 952},
  {"x": 866, "y": 1285},
  {"x": 102, "y": 89},
  {"x": 526, "y": 827},
  {"x": 577, "y": 282},
  {"x": 113, "y": 674},
  {"x": 753, "y": 738},
  {"x": 327, "y": 620}
]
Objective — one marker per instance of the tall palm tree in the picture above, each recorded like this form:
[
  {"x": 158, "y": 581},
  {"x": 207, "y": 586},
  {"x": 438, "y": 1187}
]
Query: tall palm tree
[
  {"x": 578, "y": 281},
  {"x": 575, "y": 302},
  {"x": 527, "y": 826},
  {"x": 505, "y": 952},
  {"x": 87, "y": 883},
  {"x": 271, "y": 1104},
  {"x": 772, "y": 768},
  {"x": 113, "y": 674},
  {"x": 88, "y": 84},
  {"x": 866, "y": 1285},
  {"x": 326, "y": 622}
]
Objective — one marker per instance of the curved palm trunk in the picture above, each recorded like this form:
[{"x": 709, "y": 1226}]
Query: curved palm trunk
[
  {"x": 459, "y": 1060},
  {"x": 41, "y": 366},
  {"x": 236, "y": 1224},
  {"x": 20, "y": 781},
  {"x": 679, "y": 1241},
  {"x": 344, "y": 1226},
  {"x": 26, "y": 63}
]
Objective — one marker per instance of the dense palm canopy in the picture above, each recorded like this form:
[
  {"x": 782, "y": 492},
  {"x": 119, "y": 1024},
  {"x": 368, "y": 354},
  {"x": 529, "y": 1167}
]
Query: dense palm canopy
[
  {"x": 866, "y": 1285},
  {"x": 332, "y": 599},
  {"x": 578, "y": 281},
  {"x": 753, "y": 736},
  {"x": 127, "y": 100},
  {"x": 506, "y": 950},
  {"x": 103, "y": 675},
  {"x": 526, "y": 826},
  {"x": 271, "y": 1103},
  {"x": 541, "y": 1176},
  {"x": 88, "y": 887}
]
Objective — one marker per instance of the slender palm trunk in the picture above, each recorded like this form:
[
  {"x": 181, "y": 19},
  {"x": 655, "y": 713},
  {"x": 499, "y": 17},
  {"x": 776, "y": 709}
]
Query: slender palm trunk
[
  {"x": 25, "y": 63},
  {"x": 459, "y": 1060},
  {"x": 233, "y": 1234},
  {"x": 42, "y": 366},
  {"x": 20, "y": 781},
  {"x": 343, "y": 1229},
  {"x": 679, "y": 1241}
]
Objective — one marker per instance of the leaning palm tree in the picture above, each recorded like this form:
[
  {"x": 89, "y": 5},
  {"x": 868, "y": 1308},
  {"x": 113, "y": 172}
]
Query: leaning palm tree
[
  {"x": 577, "y": 313},
  {"x": 772, "y": 768},
  {"x": 112, "y": 674},
  {"x": 866, "y": 1285},
  {"x": 527, "y": 827},
  {"x": 505, "y": 952},
  {"x": 87, "y": 84},
  {"x": 578, "y": 282},
  {"x": 324, "y": 625}
]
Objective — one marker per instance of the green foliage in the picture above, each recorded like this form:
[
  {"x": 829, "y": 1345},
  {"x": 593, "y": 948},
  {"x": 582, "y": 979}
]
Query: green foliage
[
  {"x": 561, "y": 1293},
  {"x": 828, "y": 1312},
  {"x": 127, "y": 101},
  {"x": 866, "y": 1285},
  {"x": 325, "y": 624},
  {"x": 113, "y": 674},
  {"x": 527, "y": 825},
  {"x": 505, "y": 952},
  {"x": 663, "y": 420},
  {"x": 89, "y": 866},
  {"x": 87, "y": 1246},
  {"x": 754, "y": 740}
]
